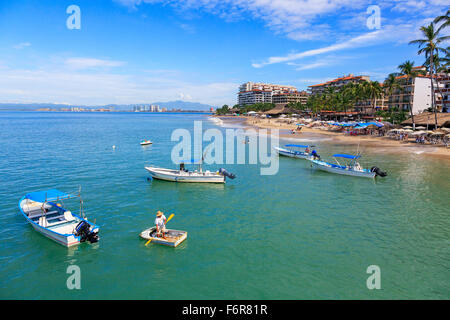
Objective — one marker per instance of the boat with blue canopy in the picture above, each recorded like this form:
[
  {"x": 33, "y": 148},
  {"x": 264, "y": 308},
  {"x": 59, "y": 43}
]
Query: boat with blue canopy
[
  {"x": 45, "y": 212},
  {"x": 291, "y": 150},
  {"x": 352, "y": 168}
]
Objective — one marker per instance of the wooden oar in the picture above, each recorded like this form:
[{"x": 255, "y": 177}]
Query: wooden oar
[{"x": 170, "y": 217}]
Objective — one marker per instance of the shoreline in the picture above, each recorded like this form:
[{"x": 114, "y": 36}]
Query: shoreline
[{"x": 373, "y": 142}]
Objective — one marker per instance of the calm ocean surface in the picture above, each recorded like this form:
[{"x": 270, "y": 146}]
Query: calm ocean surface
[{"x": 299, "y": 234}]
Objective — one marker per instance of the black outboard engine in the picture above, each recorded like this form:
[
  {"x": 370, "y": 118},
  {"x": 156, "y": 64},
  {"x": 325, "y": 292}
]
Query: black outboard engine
[
  {"x": 378, "y": 172},
  {"x": 225, "y": 173},
  {"x": 83, "y": 230}
]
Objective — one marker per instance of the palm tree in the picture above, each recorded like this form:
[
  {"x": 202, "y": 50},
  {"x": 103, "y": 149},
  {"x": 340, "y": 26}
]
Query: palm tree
[
  {"x": 391, "y": 84},
  {"x": 373, "y": 91},
  {"x": 429, "y": 46},
  {"x": 445, "y": 19}
]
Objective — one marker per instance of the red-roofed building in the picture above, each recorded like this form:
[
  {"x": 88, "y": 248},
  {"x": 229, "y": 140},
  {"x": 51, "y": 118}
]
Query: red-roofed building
[{"x": 337, "y": 83}]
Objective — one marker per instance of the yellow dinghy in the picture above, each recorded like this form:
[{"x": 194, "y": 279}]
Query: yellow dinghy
[{"x": 172, "y": 238}]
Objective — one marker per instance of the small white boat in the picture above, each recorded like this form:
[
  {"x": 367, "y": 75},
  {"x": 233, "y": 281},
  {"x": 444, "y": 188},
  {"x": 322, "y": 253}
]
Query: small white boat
[
  {"x": 183, "y": 175},
  {"x": 351, "y": 169},
  {"x": 172, "y": 238},
  {"x": 294, "y": 153},
  {"x": 46, "y": 215},
  {"x": 146, "y": 142}
]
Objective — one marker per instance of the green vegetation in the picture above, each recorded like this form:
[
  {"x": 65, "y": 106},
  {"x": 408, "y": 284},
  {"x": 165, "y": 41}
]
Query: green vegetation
[
  {"x": 393, "y": 115},
  {"x": 257, "y": 107},
  {"x": 224, "y": 110}
]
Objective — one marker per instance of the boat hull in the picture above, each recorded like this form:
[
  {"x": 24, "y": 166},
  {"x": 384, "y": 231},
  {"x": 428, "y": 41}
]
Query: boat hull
[
  {"x": 173, "y": 237},
  {"x": 292, "y": 154},
  {"x": 324, "y": 166},
  {"x": 181, "y": 176}
]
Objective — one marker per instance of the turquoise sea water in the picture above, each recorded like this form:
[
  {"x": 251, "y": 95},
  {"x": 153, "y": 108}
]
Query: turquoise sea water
[{"x": 299, "y": 234}]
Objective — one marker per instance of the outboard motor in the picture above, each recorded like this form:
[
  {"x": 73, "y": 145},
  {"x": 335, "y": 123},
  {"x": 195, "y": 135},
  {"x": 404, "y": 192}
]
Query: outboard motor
[
  {"x": 83, "y": 230},
  {"x": 378, "y": 172},
  {"x": 225, "y": 173}
]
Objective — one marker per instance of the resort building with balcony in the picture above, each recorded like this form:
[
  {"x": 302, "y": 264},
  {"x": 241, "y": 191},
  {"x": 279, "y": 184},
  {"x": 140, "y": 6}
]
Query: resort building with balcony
[
  {"x": 290, "y": 97},
  {"x": 442, "y": 92},
  {"x": 414, "y": 92},
  {"x": 336, "y": 83},
  {"x": 253, "y": 92}
]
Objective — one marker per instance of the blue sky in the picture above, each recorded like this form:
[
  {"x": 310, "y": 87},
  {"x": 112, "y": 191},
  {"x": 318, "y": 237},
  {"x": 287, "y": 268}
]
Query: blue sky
[{"x": 141, "y": 51}]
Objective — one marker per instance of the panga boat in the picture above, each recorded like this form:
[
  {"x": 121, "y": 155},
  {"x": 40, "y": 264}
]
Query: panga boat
[
  {"x": 146, "y": 142},
  {"x": 295, "y": 153},
  {"x": 184, "y": 175},
  {"x": 44, "y": 211},
  {"x": 172, "y": 238},
  {"x": 353, "y": 168}
]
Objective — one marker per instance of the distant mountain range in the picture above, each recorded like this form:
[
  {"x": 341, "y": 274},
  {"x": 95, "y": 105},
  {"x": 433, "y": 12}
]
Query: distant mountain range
[{"x": 178, "y": 104}]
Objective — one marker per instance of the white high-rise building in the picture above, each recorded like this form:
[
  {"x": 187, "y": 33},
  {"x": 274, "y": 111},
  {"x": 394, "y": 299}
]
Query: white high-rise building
[{"x": 253, "y": 92}]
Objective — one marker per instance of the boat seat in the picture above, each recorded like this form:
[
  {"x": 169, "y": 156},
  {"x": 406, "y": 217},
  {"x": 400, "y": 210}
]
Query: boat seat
[
  {"x": 68, "y": 216},
  {"x": 58, "y": 217},
  {"x": 40, "y": 213}
]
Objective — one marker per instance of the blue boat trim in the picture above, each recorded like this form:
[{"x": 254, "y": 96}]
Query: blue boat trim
[{"x": 347, "y": 156}]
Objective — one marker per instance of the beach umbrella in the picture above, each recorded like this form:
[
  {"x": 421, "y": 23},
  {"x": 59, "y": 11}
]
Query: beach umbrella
[
  {"x": 418, "y": 133},
  {"x": 420, "y": 128},
  {"x": 408, "y": 130},
  {"x": 407, "y": 127}
]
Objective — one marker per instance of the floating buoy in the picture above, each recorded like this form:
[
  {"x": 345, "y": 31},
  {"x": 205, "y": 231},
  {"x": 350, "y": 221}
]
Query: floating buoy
[{"x": 114, "y": 147}]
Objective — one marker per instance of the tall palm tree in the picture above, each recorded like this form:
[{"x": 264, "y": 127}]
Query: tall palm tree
[{"x": 429, "y": 46}]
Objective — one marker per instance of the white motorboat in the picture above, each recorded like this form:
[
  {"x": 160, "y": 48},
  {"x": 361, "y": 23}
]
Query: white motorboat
[
  {"x": 295, "y": 153},
  {"x": 351, "y": 169},
  {"x": 146, "y": 142},
  {"x": 184, "y": 175},
  {"x": 44, "y": 211}
]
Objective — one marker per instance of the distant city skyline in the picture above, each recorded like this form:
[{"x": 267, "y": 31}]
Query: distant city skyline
[{"x": 135, "y": 51}]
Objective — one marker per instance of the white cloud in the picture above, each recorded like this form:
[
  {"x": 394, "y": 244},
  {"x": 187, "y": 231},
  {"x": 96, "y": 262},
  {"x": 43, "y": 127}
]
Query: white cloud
[
  {"x": 85, "y": 63},
  {"x": 359, "y": 41},
  {"x": 97, "y": 87},
  {"x": 21, "y": 45}
]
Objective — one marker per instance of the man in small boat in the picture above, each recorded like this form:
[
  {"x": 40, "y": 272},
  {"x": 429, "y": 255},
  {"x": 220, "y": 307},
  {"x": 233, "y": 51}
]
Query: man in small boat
[
  {"x": 160, "y": 223},
  {"x": 315, "y": 155}
]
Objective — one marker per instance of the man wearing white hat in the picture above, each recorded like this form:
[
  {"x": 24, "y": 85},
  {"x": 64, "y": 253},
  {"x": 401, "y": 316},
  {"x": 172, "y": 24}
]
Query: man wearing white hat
[{"x": 160, "y": 223}]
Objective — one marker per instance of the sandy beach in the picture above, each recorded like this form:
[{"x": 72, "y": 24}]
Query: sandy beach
[{"x": 375, "y": 143}]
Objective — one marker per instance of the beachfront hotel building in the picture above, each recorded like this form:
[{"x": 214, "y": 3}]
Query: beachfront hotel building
[
  {"x": 290, "y": 97},
  {"x": 336, "y": 83},
  {"x": 442, "y": 92},
  {"x": 414, "y": 93},
  {"x": 254, "y": 92}
]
